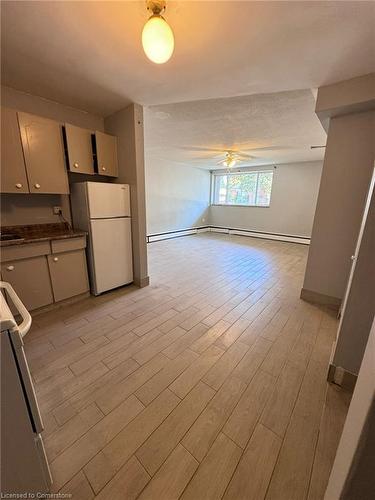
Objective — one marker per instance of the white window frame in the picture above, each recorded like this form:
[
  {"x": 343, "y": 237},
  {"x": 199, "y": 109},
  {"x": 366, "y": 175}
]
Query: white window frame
[{"x": 239, "y": 172}]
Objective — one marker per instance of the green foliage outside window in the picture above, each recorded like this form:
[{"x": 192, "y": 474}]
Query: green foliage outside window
[{"x": 244, "y": 188}]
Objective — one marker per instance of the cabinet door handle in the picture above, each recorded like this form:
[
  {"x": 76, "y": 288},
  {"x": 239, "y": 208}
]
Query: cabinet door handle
[
  {"x": 104, "y": 169},
  {"x": 18, "y": 185},
  {"x": 55, "y": 259},
  {"x": 75, "y": 165},
  {"x": 10, "y": 268},
  {"x": 37, "y": 186}
]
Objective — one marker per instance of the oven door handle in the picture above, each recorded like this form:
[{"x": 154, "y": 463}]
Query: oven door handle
[{"x": 24, "y": 327}]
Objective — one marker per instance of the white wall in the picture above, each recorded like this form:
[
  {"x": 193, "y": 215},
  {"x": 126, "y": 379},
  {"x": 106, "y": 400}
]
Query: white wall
[
  {"x": 293, "y": 200},
  {"x": 177, "y": 196}
]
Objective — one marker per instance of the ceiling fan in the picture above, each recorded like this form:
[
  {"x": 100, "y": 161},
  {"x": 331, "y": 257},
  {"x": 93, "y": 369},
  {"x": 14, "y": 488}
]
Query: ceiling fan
[{"x": 233, "y": 157}]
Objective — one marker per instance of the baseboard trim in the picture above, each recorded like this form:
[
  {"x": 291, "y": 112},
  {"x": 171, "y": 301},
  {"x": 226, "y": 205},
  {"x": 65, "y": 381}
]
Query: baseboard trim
[
  {"x": 339, "y": 376},
  {"x": 290, "y": 238},
  {"x": 58, "y": 305},
  {"x": 178, "y": 233},
  {"x": 319, "y": 298},
  {"x": 142, "y": 282}
]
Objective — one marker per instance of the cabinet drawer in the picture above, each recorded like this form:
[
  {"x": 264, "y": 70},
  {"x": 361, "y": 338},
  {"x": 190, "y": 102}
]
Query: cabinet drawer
[
  {"x": 17, "y": 252},
  {"x": 68, "y": 274},
  {"x": 30, "y": 279},
  {"x": 69, "y": 244}
]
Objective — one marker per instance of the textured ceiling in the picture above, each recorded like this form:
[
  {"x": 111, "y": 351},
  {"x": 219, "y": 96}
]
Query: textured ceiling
[
  {"x": 88, "y": 54},
  {"x": 278, "y": 127}
]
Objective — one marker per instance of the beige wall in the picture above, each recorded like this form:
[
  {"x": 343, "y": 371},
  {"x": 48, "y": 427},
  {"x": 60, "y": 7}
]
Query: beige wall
[
  {"x": 293, "y": 200},
  {"x": 23, "y": 209},
  {"x": 348, "y": 96},
  {"x": 359, "y": 310},
  {"x": 127, "y": 125},
  {"x": 344, "y": 185},
  {"x": 352, "y": 475},
  {"x": 38, "y": 208},
  {"x": 177, "y": 196},
  {"x": 28, "y": 103}
]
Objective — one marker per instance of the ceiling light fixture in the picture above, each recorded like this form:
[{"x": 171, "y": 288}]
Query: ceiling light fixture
[
  {"x": 157, "y": 35},
  {"x": 230, "y": 160}
]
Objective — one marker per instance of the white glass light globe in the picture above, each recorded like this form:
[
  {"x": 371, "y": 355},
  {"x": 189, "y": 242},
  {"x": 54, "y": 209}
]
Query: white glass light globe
[{"x": 157, "y": 40}]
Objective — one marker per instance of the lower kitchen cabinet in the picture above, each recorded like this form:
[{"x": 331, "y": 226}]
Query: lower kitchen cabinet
[
  {"x": 46, "y": 272},
  {"x": 68, "y": 274},
  {"x": 30, "y": 279}
]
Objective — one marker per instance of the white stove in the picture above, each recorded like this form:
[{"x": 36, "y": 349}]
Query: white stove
[{"x": 24, "y": 463}]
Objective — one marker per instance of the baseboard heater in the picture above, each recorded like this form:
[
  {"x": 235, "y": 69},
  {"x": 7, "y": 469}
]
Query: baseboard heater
[{"x": 292, "y": 238}]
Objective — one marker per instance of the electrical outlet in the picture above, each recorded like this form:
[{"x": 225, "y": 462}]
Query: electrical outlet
[{"x": 57, "y": 210}]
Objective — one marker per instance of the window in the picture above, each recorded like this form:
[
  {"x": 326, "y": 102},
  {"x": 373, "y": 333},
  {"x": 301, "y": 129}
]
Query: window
[{"x": 243, "y": 188}]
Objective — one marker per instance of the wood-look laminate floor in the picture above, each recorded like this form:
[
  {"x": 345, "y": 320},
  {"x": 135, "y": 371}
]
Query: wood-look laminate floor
[{"x": 208, "y": 384}]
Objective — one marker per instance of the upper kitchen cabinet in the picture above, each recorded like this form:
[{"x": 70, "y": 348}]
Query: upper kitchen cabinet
[
  {"x": 79, "y": 149},
  {"x": 106, "y": 154},
  {"x": 44, "y": 154},
  {"x": 13, "y": 178}
]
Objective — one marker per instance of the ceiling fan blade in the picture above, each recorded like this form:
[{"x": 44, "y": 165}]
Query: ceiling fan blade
[
  {"x": 243, "y": 155},
  {"x": 266, "y": 148},
  {"x": 247, "y": 157},
  {"x": 201, "y": 148}
]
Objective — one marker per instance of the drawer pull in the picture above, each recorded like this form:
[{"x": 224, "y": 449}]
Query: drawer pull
[
  {"x": 104, "y": 169},
  {"x": 75, "y": 165},
  {"x": 18, "y": 185},
  {"x": 55, "y": 259},
  {"x": 37, "y": 186},
  {"x": 10, "y": 268}
]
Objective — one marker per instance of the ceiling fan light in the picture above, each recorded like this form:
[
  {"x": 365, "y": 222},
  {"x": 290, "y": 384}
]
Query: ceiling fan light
[{"x": 158, "y": 39}]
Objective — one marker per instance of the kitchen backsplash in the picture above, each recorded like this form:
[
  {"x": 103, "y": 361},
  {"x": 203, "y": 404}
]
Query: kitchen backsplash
[{"x": 26, "y": 209}]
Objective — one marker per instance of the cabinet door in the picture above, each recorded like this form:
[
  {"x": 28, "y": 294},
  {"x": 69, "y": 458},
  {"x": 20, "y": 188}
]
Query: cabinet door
[
  {"x": 106, "y": 154},
  {"x": 79, "y": 146},
  {"x": 13, "y": 170},
  {"x": 68, "y": 274},
  {"x": 44, "y": 154},
  {"x": 30, "y": 279}
]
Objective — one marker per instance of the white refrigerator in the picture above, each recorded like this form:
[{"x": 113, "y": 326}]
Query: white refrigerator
[{"x": 103, "y": 210}]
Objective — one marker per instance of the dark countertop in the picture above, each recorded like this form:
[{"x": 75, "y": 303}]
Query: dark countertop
[{"x": 38, "y": 232}]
